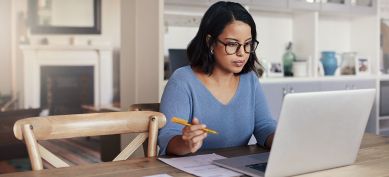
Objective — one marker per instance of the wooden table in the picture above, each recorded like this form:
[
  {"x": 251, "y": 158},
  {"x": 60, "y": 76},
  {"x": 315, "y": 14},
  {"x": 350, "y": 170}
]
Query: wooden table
[{"x": 373, "y": 160}]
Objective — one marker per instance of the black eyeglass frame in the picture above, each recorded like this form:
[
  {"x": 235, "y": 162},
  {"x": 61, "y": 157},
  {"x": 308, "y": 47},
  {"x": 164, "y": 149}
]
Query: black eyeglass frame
[{"x": 254, "y": 42}]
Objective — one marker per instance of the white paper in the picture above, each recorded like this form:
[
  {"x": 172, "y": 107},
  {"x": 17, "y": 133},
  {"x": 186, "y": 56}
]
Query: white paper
[
  {"x": 159, "y": 175},
  {"x": 200, "y": 165}
]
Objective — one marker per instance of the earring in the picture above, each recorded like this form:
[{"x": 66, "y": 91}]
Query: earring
[{"x": 211, "y": 51}]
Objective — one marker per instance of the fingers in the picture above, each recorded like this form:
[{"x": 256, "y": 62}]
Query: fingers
[
  {"x": 194, "y": 135},
  {"x": 195, "y": 121},
  {"x": 196, "y": 142},
  {"x": 187, "y": 135},
  {"x": 194, "y": 147},
  {"x": 199, "y": 138},
  {"x": 196, "y": 127}
]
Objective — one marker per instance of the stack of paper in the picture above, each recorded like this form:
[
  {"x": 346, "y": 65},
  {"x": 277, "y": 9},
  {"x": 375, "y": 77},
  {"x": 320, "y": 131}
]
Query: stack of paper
[{"x": 200, "y": 165}]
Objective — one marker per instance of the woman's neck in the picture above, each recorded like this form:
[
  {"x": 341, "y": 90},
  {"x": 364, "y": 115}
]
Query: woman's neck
[
  {"x": 218, "y": 77},
  {"x": 221, "y": 77}
]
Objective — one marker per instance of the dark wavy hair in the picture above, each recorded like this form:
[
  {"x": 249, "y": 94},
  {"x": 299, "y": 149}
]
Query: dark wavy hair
[{"x": 217, "y": 17}]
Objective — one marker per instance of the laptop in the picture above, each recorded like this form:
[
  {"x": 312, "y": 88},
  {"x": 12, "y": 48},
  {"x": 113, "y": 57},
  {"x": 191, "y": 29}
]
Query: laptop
[{"x": 315, "y": 131}]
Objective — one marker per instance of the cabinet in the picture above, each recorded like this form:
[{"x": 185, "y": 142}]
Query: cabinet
[
  {"x": 313, "y": 5},
  {"x": 275, "y": 92},
  {"x": 266, "y": 5},
  {"x": 340, "y": 7},
  {"x": 346, "y": 7},
  {"x": 363, "y": 6},
  {"x": 189, "y": 2},
  {"x": 383, "y": 110},
  {"x": 347, "y": 84}
]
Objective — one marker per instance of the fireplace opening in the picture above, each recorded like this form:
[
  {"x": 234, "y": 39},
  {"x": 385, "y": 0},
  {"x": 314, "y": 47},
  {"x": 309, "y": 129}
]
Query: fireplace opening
[{"x": 64, "y": 89}]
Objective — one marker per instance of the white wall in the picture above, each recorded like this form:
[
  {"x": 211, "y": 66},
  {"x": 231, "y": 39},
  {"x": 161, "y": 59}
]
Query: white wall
[
  {"x": 177, "y": 37},
  {"x": 5, "y": 47},
  {"x": 141, "y": 55},
  {"x": 142, "y": 51},
  {"x": 274, "y": 31},
  {"x": 334, "y": 34}
]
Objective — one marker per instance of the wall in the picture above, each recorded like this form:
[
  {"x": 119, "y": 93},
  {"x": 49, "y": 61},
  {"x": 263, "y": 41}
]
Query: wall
[
  {"x": 5, "y": 47},
  {"x": 334, "y": 34},
  {"x": 141, "y": 55},
  {"x": 142, "y": 51}
]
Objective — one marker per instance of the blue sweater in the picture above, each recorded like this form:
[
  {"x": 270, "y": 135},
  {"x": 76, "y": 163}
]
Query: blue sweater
[{"x": 247, "y": 112}]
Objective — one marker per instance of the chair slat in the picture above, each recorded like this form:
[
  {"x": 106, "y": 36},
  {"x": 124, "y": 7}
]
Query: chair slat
[
  {"x": 152, "y": 141},
  {"x": 131, "y": 147},
  {"x": 51, "y": 158},
  {"x": 32, "y": 147}
]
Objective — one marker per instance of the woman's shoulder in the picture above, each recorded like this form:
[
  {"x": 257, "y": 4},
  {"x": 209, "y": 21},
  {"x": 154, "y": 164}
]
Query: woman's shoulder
[
  {"x": 183, "y": 75},
  {"x": 182, "y": 72},
  {"x": 250, "y": 77}
]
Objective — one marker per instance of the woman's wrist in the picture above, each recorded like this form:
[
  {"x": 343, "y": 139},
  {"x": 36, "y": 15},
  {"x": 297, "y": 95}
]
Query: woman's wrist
[
  {"x": 269, "y": 141},
  {"x": 177, "y": 146}
]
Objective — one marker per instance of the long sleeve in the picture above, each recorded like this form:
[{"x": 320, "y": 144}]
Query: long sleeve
[
  {"x": 265, "y": 125},
  {"x": 174, "y": 103}
]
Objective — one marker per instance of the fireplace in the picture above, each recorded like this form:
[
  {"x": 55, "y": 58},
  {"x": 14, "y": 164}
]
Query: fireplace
[
  {"x": 67, "y": 75},
  {"x": 64, "y": 89}
]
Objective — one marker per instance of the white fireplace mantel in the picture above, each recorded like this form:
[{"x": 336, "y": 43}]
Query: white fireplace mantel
[{"x": 35, "y": 56}]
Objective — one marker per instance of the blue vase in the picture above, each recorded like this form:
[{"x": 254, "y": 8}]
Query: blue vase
[{"x": 329, "y": 61}]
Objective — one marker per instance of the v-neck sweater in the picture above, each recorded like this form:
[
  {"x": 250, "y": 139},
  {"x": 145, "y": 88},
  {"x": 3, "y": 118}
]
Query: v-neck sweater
[{"x": 247, "y": 113}]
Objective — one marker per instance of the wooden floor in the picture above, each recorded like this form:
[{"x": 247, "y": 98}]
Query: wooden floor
[{"x": 75, "y": 151}]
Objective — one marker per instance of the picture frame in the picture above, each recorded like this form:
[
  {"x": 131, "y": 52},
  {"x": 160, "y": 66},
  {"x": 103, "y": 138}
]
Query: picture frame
[
  {"x": 362, "y": 65},
  {"x": 275, "y": 69}
]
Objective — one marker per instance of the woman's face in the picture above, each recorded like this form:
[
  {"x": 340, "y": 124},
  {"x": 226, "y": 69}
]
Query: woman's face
[{"x": 227, "y": 58}]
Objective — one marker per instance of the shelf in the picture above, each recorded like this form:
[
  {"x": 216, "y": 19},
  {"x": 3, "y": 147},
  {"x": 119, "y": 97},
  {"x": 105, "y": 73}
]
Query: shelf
[
  {"x": 384, "y": 118},
  {"x": 305, "y": 79},
  {"x": 309, "y": 79},
  {"x": 321, "y": 78},
  {"x": 383, "y": 77}
]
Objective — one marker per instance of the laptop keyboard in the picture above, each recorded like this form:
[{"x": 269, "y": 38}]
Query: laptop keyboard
[{"x": 258, "y": 166}]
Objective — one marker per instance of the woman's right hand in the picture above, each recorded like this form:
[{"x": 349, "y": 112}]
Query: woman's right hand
[{"x": 194, "y": 135}]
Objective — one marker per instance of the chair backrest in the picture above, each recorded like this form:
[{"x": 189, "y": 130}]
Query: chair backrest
[
  {"x": 146, "y": 123},
  {"x": 144, "y": 107}
]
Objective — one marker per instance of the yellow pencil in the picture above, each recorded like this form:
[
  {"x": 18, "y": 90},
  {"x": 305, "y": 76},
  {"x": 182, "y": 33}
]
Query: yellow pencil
[{"x": 184, "y": 122}]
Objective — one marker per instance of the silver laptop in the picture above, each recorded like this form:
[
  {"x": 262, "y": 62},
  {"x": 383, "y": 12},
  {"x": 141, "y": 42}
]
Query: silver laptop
[{"x": 315, "y": 131}]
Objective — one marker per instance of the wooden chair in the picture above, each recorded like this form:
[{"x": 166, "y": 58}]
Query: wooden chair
[
  {"x": 32, "y": 129},
  {"x": 143, "y": 107}
]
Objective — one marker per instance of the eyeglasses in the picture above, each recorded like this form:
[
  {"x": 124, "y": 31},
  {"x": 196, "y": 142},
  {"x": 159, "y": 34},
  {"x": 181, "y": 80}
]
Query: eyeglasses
[{"x": 232, "y": 48}]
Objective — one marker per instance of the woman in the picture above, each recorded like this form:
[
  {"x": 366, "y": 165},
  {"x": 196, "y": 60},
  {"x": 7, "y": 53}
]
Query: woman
[{"x": 220, "y": 89}]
